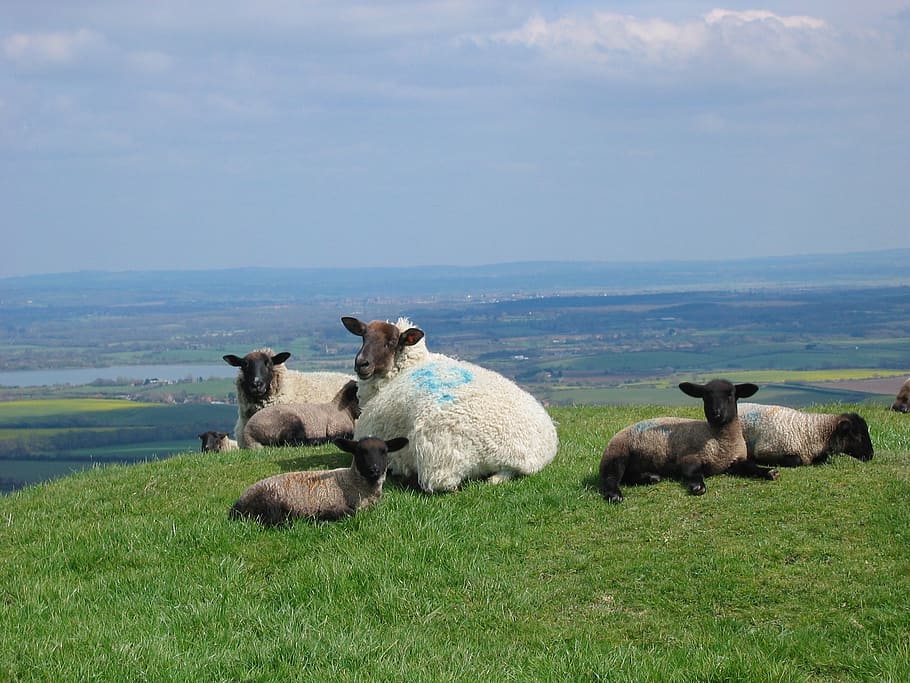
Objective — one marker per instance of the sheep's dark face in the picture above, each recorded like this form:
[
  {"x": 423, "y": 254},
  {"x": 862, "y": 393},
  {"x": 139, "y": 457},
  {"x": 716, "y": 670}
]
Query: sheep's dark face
[
  {"x": 371, "y": 455},
  {"x": 381, "y": 342},
  {"x": 257, "y": 370},
  {"x": 902, "y": 401},
  {"x": 212, "y": 441},
  {"x": 719, "y": 397},
  {"x": 852, "y": 437}
]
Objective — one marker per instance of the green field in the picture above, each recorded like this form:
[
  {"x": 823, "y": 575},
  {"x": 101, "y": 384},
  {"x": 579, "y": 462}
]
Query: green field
[
  {"x": 42, "y": 439},
  {"x": 136, "y": 573}
]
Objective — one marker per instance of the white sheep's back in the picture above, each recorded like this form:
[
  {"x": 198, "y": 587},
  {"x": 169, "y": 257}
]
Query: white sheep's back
[
  {"x": 463, "y": 422},
  {"x": 774, "y": 430}
]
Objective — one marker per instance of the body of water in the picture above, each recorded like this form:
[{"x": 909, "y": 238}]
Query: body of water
[{"x": 81, "y": 376}]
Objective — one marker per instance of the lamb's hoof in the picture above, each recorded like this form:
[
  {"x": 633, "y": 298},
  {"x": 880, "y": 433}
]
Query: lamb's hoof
[
  {"x": 697, "y": 489},
  {"x": 650, "y": 478},
  {"x": 773, "y": 475},
  {"x": 613, "y": 497}
]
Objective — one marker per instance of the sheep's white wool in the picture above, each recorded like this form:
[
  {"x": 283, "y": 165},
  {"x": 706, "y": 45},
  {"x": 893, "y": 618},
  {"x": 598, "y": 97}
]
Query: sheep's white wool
[
  {"x": 463, "y": 421},
  {"x": 772, "y": 431}
]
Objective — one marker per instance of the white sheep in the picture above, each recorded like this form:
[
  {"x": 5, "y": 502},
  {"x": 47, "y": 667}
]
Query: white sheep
[
  {"x": 263, "y": 380},
  {"x": 787, "y": 437},
  {"x": 298, "y": 424},
  {"x": 321, "y": 494},
  {"x": 216, "y": 441},
  {"x": 463, "y": 421},
  {"x": 690, "y": 449}
]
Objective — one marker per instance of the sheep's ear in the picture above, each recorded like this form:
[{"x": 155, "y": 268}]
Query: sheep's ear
[
  {"x": 279, "y": 358},
  {"x": 202, "y": 436},
  {"x": 746, "y": 390},
  {"x": 410, "y": 337},
  {"x": 844, "y": 426},
  {"x": 347, "y": 445},
  {"x": 354, "y": 326},
  {"x": 393, "y": 445},
  {"x": 692, "y": 389},
  {"x": 231, "y": 359}
]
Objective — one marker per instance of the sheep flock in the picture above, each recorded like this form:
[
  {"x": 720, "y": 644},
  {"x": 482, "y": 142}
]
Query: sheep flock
[{"x": 434, "y": 422}]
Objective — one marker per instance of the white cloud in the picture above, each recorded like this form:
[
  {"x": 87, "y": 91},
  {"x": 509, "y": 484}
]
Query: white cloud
[
  {"x": 720, "y": 41},
  {"x": 58, "y": 48}
]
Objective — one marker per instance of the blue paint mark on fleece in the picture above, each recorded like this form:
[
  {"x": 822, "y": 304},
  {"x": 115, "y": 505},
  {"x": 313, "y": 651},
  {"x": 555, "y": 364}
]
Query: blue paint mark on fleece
[
  {"x": 438, "y": 380},
  {"x": 647, "y": 425}
]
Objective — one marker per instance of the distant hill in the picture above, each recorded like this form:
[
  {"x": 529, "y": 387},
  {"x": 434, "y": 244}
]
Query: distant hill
[{"x": 528, "y": 278}]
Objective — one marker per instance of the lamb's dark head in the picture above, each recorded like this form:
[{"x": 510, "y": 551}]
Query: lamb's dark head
[
  {"x": 381, "y": 342},
  {"x": 257, "y": 369},
  {"x": 371, "y": 455},
  {"x": 851, "y": 436},
  {"x": 212, "y": 441},
  {"x": 719, "y": 397}
]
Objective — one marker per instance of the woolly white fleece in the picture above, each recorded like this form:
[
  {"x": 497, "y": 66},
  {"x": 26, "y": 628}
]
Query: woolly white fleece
[{"x": 463, "y": 421}]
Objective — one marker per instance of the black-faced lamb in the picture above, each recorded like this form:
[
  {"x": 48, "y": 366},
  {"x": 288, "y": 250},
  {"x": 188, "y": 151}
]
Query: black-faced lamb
[
  {"x": 299, "y": 424},
  {"x": 216, "y": 441},
  {"x": 321, "y": 494},
  {"x": 463, "y": 421},
  {"x": 777, "y": 435},
  {"x": 263, "y": 380},
  {"x": 902, "y": 400},
  {"x": 644, "y": 452}
]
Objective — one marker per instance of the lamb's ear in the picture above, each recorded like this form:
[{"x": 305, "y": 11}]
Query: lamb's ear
[
  {"x": 231, "y": 359},
  {"x": 410, "y": 337},
  {"x": 746, "y": 390},
  {"x": 393, "y": 445},
  {"x": 844, "y": 426},
  {"x": 202, "y": 436},
  {"x": 347, "y": 445},
  {"x": 279, "y": 358},
  {"x": 221, "y": 435},
  {"x": 354, "y": 326},
  {"x": 691, "y": 389}
]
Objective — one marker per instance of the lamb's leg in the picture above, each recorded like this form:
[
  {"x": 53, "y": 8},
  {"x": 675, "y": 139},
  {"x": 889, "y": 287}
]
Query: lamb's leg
[
  {"x": 693, "y": 477},
  {"x": 611, "y": 472},
  {"x": 751, "y": 469},
  {"x": 501, "y": 476}
]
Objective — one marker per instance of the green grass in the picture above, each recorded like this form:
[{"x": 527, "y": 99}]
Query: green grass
[{"x": 135, "y": 573}]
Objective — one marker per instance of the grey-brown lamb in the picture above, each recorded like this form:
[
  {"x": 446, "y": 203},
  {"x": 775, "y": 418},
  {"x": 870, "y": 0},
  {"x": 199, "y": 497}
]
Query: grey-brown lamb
[
  {"x": 902, "y": 400},
  {"x": 321, "y": 494},
  {"x": 298, "y": 424},
  {"x": 644, "y": 452}
]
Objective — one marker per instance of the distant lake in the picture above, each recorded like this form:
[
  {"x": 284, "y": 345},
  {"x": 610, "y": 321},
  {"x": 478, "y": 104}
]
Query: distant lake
[{"x": 82, "y": 376}]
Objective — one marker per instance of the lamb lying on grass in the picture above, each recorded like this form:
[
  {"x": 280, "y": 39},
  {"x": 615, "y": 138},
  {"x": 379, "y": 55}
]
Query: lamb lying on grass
[
  {"x": 691, "y": 449},
  {"x": 216, "y": 441},
  {"x": 321, "y": 494},
  {"x": 263, "y": 380},
  {"x": 298, "y": 424},
  {"x": 463, "y": 421},
  {"x": 902, "y": 400},
  {"x": 782, "y": 436}
]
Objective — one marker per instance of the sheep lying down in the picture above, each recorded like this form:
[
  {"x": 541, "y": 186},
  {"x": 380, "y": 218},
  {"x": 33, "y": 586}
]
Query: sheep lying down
[
  {"x": 321, "y": 494},
  {"x": 298, "y": 424},
  {"x": 216, "y": 441},
  {"x": 783, "y": 436}
]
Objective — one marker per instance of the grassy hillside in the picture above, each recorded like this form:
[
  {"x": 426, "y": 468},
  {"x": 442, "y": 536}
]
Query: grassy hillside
[{"x": 135, "y": 573}]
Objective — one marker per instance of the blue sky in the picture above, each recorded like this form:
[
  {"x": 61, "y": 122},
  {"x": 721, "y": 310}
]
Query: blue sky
[{"x": 198, "y": 135}]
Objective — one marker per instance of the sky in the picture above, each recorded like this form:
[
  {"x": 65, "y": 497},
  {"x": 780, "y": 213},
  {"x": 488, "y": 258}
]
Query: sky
[{"x": 327, "y": 133}]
